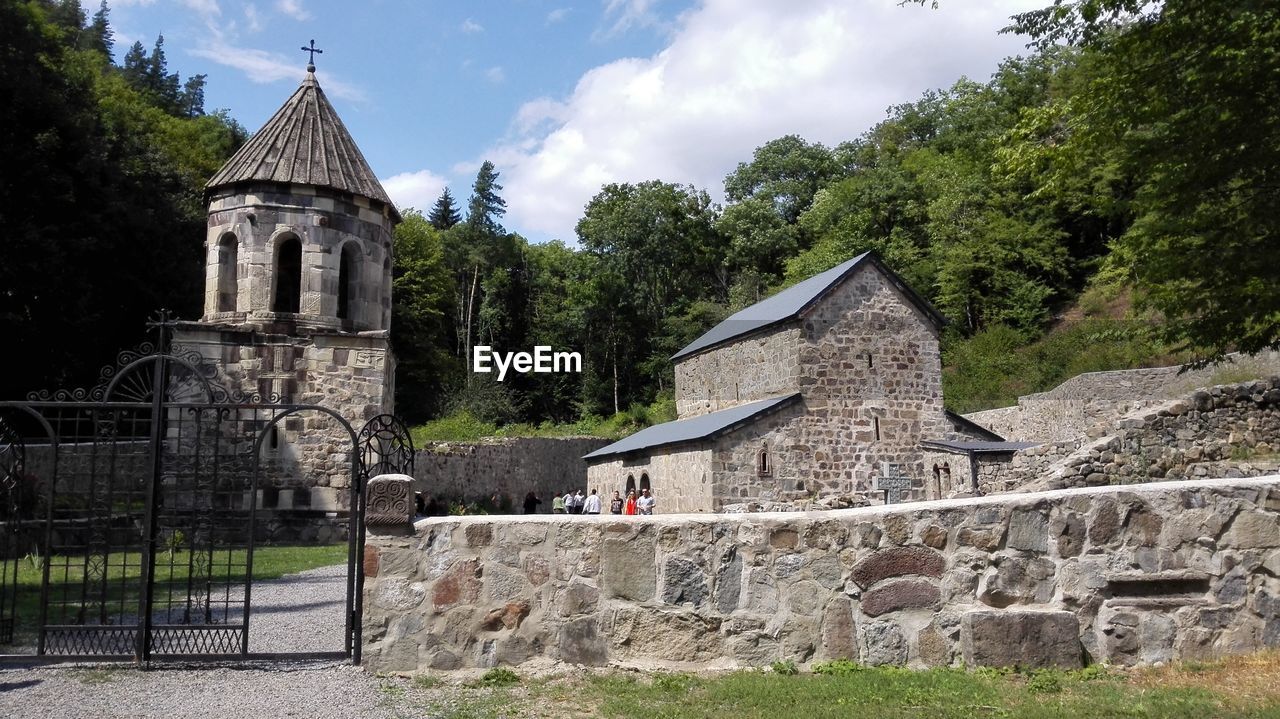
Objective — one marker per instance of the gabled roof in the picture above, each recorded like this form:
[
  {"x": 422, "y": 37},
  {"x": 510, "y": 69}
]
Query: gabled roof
[
  {"x": 695, "y": 428},
  {"x": 792, "y": 302},
  {"x": 304, "y": 143}
]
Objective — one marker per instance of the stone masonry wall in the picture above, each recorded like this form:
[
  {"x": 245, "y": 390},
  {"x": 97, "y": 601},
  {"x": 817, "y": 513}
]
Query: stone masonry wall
[
  {"x": 1075, "y": 407},
  {"x": 256, "y": 219},
  {"x": 475, "y": 471},
  {"x": 753, "y": 368},
  {"x": 679, "y": 478},
  {"x": 899, "y": 388},
  {"x": 306, "y": 481},
  {"x": 1134, "y": 575},
  {"x": 1229, "y": 430}
]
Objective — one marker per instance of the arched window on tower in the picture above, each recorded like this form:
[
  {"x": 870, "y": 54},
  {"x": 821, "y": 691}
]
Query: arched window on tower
[
  {"x": 288, "y": 297},
  {"x": 348, "y": 272},
  {"x": 764, "y": 467},
  {"x": 228, "y": 266}
]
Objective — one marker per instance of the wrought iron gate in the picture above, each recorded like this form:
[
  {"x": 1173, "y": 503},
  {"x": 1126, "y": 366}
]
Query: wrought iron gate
[{"x": 139, "y": 503}]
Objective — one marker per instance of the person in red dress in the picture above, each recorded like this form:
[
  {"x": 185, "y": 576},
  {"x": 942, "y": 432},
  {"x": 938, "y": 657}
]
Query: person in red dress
[{"x": 630, "y": 506}]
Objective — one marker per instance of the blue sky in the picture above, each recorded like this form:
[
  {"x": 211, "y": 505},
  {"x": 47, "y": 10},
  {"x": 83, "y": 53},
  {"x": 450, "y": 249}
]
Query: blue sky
[{"x": 567, "y": 95}]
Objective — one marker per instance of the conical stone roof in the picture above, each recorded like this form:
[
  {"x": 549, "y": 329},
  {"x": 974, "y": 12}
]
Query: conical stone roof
[{"x": 304, "y": 143}]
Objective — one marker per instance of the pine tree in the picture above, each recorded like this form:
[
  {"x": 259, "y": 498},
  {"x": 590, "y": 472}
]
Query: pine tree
[
  {"x": 191, "y": 101},
  {"x": 444, "y": 214},
  {"x": 485, "y": 206},
  {"x": 100, "y": 37}
]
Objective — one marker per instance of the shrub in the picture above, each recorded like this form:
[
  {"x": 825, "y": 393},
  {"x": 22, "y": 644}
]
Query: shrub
[
  {"x": 499, "y": 677},
  {"x": 785, "y": 668}
]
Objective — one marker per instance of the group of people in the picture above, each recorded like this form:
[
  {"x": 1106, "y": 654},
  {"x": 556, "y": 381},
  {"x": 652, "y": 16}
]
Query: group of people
[{"x": 577, "y": 503}]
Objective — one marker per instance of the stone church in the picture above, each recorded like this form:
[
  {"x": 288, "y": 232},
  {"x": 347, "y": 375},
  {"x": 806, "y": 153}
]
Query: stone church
[
  {"x": 826, "y": 388},
  {"x": 297, "y": 292}
]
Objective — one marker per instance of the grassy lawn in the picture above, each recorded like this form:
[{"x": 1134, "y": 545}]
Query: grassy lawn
[
  {"x": 172, "y": 573},
  {"x": 1238, "y": 687}
]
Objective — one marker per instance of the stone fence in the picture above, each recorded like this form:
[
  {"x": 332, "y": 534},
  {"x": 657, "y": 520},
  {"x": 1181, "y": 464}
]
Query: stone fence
[
  {"x": 508, "y": 468},
  {"x": 1179, "y": 570},
  {"x": 1074, "y": 408},
  {"x": 1230, "y": 430}
]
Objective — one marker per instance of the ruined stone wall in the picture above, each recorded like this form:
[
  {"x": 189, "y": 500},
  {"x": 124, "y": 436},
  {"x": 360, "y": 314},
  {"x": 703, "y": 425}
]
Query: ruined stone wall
[
  {"x": 1143, "y": 574},
  {"x": 1229, "y": 430},
  {"x": 510, "y": 468},
  {"x": 1075, "y": 407},
  {"x": 751, "y": 368}
]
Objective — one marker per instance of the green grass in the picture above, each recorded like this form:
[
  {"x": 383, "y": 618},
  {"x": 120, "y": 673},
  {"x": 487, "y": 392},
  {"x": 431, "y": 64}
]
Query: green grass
[
  {"x": 1241, "y": 687},
  {"x": 67, "y": 574},
  {"x": 462, "y": 426}
]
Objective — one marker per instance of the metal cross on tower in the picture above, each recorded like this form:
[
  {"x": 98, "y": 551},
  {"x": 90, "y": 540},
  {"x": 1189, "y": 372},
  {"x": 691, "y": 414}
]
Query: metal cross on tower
[{"x": 311, "y": 62}]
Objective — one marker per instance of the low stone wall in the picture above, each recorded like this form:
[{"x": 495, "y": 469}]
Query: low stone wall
[
  {"x": 1073, "y": 408},
  {"x": 470, "y": 472},
  {"x": 1134, "y": 575}
]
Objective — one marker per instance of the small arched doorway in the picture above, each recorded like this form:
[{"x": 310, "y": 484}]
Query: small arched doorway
[
  {"x": 644, "y": 481},
  {"x": 631, "y": 484}
]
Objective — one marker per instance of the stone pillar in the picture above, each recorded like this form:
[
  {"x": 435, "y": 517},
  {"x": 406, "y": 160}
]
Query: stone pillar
[{"x": 388, "y": 503}]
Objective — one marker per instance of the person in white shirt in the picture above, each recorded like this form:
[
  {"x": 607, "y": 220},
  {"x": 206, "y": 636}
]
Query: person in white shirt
[
  {"x": 568, "y": 502},
  {"x": 591, "y": 505},
  {"x": 646, "y": 502}
]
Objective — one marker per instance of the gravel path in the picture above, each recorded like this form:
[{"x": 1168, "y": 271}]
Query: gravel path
[{"x": 301, "y": 612}]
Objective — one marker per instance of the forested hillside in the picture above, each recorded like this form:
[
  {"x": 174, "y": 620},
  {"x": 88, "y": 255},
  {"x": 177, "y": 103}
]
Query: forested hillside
[
  {"x": 101, "y": 213},
  {"x": 1107, "y": 200}
]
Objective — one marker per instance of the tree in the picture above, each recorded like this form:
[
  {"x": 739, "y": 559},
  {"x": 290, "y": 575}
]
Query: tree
[
  {"x": 658, "y": 251},
  {"x": 100, "y": 187},
  {"x": 444, "y": 214},
  {"x": 1183, "y": 99},
  {"x": 485, "y": 206},
  {"x": 99, "y": 34},
  {"x": 419, "y": 318},
  {"x": 784, "y": 173}
]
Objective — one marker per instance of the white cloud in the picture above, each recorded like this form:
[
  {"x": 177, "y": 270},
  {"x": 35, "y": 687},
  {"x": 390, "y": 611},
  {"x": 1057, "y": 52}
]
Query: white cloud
[
  {"x": 557, "y": 15},
  {"x": 470, "y": 26},
  {"x": 626, "y": 14},
  {"x": 265, "y": 67},
  {"x": 495, "y": 74},
  {"x": 206, "y": 9},
  {"x": 293, "y": 8},
  {"x": 251, "y": 18},
  {"x": 417, "y": 190},
  {"x": 736, "y": 74}
]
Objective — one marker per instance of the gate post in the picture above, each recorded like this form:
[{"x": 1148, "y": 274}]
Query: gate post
[{"x": 388, "y": 509}]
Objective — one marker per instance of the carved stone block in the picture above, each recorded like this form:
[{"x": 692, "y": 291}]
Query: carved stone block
[{"x": 389, "y": 501}]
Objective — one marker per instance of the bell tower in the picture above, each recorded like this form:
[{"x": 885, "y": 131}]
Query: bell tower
[
  {"x": 299, "y": 230},
  {"x": 297, "y": 292}
]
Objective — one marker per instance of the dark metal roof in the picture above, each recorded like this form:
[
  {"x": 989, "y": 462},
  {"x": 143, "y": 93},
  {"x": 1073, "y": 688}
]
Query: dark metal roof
[
  {"x": 968, "y": 446},
  {"x": 964, "y": 424},
  {"x": 790, "y": 303},
  {"x": 304, "y": 143},
  {"x": 692, "y": 429}
]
